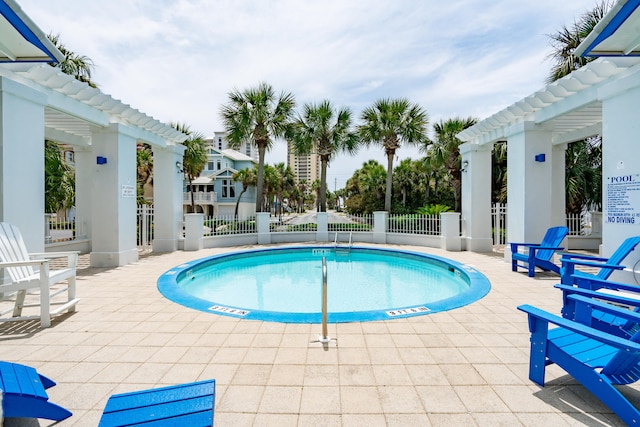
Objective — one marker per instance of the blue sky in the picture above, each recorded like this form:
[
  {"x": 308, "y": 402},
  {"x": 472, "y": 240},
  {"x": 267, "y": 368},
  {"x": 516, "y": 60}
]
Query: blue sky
[{"x": 177, "y": 60}]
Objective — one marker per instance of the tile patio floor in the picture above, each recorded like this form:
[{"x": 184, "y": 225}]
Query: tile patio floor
[{"x": 466, "y": 367}]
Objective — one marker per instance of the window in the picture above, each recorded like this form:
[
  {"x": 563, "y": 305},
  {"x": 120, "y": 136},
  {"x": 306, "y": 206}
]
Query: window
[
  {"x": 228, "y": 188},
  {"x": 209, "y": 166},
  {"x": 218, "y": 164}
]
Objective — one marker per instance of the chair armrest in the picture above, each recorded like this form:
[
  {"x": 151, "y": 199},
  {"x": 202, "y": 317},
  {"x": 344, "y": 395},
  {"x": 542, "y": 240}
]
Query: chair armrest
[
  {"x": 594, "y": 283},
  {"x": 611, "y": 297},
  {"x": 592, "y": 264},
  {"x": 603, "y": 337},
  {"x": 568, "y": 256},
  {"x": 51, "y": 255},
  {"x": 543, "y": 248},
  {"x": 35, "y": 262}
]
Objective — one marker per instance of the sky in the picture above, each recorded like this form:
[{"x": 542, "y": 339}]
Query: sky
[{"x": 177, "y": 60}]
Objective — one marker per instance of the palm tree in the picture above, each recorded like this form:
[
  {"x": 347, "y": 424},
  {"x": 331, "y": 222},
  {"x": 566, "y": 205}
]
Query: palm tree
[
  {"x": 567, "y": 39},
  {"x": 443, "y": 151},
  {"x": 144, "y": 169},
  {"x": 327, "y": 131},
  {"x": 285, "y": 182},
  {"x": 257, "y": 115},
  {"x": 404, "y": 177},
  {"x": 195, "y": 156},
  {"x": 78, "y": 66},
  {"x": 389, "y": 123},
  {"x": 271, "y": 182},
  {"x": 59, "y": 183},
  {"x": 248, "y": 178}
]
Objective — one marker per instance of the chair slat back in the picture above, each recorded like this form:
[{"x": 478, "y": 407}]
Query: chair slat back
[
  {"x": 621, "y": 253},
  {"x": 552, "y": 238},
  {"x": 12, "y": 249},
  {"x": 625, "y": 364}
]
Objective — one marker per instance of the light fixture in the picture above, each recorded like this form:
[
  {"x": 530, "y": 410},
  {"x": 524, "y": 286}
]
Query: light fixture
[
  {"x": 179, "y": 166},
  {"x": 101, "y": 160},
  {"x": 465, "y": 165},
  {"x": 540, "y": 157}
]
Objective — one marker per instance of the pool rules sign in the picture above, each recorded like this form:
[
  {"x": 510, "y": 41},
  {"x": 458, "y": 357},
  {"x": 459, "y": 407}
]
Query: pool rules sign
[{"x": 622, "y": 199}]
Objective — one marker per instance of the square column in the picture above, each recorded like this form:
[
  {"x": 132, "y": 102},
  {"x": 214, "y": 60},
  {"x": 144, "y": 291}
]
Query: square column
[
  {"x": 621, "y": 172},
  {"x": 22, "y": 161},
  {"x": 476, "y": 196},
  {"x": 167, "y": 197},
  {"x": 113, "y": 225},
  {"x": 85, "y": 165},
  {"x": 530, "y": 185}
]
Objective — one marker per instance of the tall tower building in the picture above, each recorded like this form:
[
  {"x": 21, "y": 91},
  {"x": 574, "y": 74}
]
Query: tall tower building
[{"x": 303, "y": 167}]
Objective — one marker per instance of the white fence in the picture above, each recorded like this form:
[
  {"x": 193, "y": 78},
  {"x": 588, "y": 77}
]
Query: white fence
[
  {"x": 145, "y": 226},
  {"x": 499, "y": 224},
  {"x": 61, "y": 229},
  {"x": 228, "y": 225}
]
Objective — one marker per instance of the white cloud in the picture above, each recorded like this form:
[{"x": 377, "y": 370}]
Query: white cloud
[{"x": 178, "y": 59}]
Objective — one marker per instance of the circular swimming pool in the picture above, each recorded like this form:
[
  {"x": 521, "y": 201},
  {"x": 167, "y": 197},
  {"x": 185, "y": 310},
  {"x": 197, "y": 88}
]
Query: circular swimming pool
[{"x": 285, "y": 284}]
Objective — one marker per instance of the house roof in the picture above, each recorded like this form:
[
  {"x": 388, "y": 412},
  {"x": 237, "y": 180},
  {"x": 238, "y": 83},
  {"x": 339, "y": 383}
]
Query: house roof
[
  {"x": 617, "y": 34},
  {"x": 238, "y": 156},
  {"x": 21, "y": 40},
  {"x": 202, "y": 180}
]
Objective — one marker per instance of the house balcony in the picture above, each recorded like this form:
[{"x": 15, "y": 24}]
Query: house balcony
[{"x": 200, "y": 198}]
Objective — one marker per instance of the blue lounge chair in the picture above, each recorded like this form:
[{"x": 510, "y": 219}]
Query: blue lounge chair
[
  {"x": 24, "y": 394},
  {"x": 621, "y": 294},
  {"x": 180, "y": 405},
  {"x": 539, "y": 255},
  {"x": 596, "y": 359},
  {"x": 606, "y": 266}
]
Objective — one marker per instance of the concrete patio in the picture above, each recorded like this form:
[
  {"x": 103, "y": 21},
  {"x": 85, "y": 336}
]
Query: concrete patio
[{"x": 465, "y": 367}]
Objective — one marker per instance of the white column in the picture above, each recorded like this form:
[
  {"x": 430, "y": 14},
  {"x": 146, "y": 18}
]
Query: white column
[
  {"x": 322, "y": 233},
  {"x": 621, "y": 172},
  {"x": 558, "y": 204},
  {"x": 263, "y": 220},
  {"x": 85, "y": 164},
  {"x": 193, "y": 231},
  {"x": 450, "y": 231},
  {"x": 529, "y": 184},
  {"x": 380, "y": 220},
  {"x": 167, "y": 197},
  {"x": 476, "y": 196},
  {"x": 114, "y": 198},
  {"x": 22, "y": 160}
]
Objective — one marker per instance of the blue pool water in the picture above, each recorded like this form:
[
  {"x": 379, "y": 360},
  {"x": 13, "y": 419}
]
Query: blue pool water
[{"x": 285, "y": 284}]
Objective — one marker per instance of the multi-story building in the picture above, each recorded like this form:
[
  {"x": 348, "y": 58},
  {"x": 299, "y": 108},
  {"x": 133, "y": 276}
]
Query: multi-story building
[
  {"x": 219, "y": 142},
  {"x": 306, "y": 167},
  {"x": 215, "y": 192}
]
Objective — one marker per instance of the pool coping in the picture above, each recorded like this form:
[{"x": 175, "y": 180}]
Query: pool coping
[{"x": 479, "y": 286}]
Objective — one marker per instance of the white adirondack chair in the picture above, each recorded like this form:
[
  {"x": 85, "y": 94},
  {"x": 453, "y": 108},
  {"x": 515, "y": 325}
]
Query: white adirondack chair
[{"x": 31, "y": 272}]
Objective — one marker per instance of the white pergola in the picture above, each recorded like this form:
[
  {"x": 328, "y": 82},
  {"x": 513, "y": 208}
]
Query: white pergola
[
  {"x": 38, "y": 102},
  {"x": 601, "y": 98}
]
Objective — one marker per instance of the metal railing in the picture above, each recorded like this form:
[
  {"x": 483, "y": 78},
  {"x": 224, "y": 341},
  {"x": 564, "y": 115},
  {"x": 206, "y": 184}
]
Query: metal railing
[
  {"x": 351, "y": 223},
  {"x": 144, "y": 226},
  {"x": 579, "y": 224},
  {"x": 199, "y": 197}
]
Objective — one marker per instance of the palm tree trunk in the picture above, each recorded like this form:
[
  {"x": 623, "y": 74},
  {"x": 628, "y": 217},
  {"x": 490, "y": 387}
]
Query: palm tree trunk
[
  {"x": 262, "y": 148},
  {"x": 193, "y": 202},
  {"x": 387, "y": 194},
  {"x": 323, "y": 185},
  {"x": 238, "y": 202}
]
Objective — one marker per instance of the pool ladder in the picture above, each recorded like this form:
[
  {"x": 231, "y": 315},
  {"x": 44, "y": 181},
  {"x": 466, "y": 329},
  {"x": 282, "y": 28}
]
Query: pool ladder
[
  {"x": 324, "y": 339},
  {"x": 342, "y": 249}
]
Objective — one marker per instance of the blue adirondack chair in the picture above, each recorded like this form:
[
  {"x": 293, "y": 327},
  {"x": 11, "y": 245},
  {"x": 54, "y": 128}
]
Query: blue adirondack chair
[
  {"x": 603, "y": 290},
  {"x": 596, "y": 359},
  {"x": 539, "y": 255},
  {"x": 188, "y": 404},
  {"x": 606, "y": 266},
  {"x": 24, "y": 394}
]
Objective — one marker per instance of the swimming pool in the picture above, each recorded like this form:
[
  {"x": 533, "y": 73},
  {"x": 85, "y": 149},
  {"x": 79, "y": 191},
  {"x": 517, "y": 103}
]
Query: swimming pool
[{"x": 284, "y": 284}]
